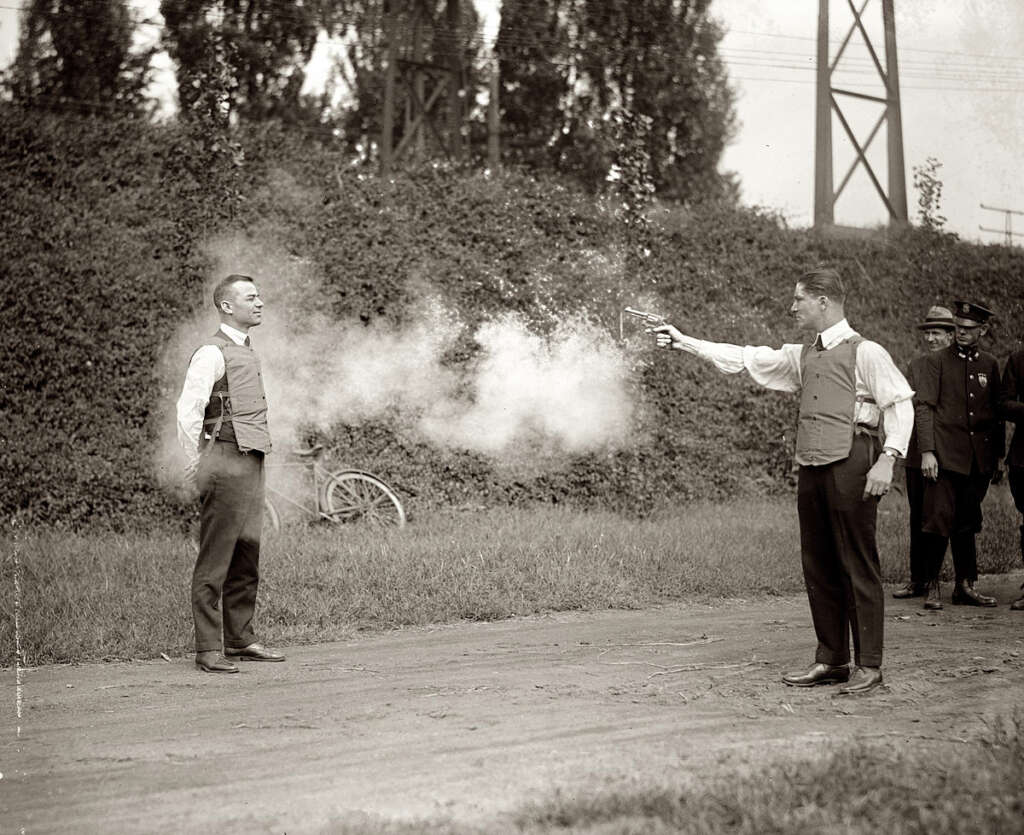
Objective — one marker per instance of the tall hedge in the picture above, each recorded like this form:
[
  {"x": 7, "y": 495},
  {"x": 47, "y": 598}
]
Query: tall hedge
[{"x": 95, "y": 288}]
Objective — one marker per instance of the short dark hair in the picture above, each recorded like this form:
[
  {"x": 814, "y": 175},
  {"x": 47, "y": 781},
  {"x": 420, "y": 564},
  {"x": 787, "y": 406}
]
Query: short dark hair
[
  {"x": 824, "y": 281},
  {"x": 220, "y": 291}
]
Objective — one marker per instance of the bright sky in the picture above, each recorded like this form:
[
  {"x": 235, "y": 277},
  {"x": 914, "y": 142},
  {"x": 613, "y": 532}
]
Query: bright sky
[{"x": 962, "y": 89}]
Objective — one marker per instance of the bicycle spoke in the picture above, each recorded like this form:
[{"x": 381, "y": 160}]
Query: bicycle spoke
[{"x": 357, "y": 497}]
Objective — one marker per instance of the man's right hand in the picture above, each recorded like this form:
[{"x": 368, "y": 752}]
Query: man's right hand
[
  {"x": 929, "y": 465},
  {"x": 668, "y": 336}
]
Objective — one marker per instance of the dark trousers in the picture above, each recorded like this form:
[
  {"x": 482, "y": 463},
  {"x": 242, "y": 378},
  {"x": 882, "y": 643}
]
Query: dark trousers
[
  {"x": 952, "y": 514},
  {"x": 226, "y": 575},
  {"x": 840, "y": 557},
  {"x": 915, "y": 498},
  {"x": 1015, "y": 476}
]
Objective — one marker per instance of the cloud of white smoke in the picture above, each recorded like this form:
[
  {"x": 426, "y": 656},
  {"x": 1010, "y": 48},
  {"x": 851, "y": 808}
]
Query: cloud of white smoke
[
  {"x": 566, "y": 392},
  {"x": 525, "y": 395}
]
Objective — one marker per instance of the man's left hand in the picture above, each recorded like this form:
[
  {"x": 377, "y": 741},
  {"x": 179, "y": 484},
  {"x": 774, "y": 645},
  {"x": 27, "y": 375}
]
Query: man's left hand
[{"x": 879, "y": 477}]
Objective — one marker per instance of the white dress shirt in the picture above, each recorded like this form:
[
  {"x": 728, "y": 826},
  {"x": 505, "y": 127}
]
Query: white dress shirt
[
  {"x": 876, "y": 376},
  {"x": 206, "y": 367}
]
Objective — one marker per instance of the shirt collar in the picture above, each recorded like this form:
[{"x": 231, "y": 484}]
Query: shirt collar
[
  {"x": 234, "y": 334},
  {"x": 832, "y": 336},
  {"x": 967, "y": 353}
]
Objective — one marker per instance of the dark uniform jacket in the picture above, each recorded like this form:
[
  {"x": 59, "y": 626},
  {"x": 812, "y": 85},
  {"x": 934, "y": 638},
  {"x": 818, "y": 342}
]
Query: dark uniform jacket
[
  {"x": 1013, "y": 406},
  {"x": 913, "y": 456},
  {"x": 957, "y": 410}
]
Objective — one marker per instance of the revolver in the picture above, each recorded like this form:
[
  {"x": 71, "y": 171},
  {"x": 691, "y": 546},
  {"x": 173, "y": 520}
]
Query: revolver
[{"x": 648, "y": 318}]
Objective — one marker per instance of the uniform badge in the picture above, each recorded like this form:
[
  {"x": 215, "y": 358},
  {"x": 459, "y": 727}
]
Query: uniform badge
[{"x": 983, "y": 380}]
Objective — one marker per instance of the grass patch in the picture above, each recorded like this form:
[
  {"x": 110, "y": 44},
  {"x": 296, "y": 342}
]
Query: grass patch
[
  {"x": 100, "y": 596},
  {"x": 859, "y": 789}
]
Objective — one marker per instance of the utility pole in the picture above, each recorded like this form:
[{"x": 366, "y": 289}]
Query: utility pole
[
  {"x": 1007, "y": 230},
  {"x": 828, "y": 102}
]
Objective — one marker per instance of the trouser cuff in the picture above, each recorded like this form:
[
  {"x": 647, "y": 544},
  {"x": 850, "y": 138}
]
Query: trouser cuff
[{"x": 830, "y": 658}]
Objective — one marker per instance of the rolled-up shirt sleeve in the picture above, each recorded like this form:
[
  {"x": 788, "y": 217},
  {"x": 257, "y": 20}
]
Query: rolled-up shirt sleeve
[
  {"x": 891, "y": 392},
  {"x": 206, "y": 367}
]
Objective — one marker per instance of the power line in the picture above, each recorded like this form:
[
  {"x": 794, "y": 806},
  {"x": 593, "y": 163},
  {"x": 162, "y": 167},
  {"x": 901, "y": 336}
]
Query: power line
[
  {"x": 902, "y": 48},
  {"x": 524, "y": 37},
  {"x": 965, "y": 80}
]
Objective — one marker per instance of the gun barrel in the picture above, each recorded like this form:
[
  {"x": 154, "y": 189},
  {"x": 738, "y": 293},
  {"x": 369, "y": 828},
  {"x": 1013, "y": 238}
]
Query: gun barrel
[{"x": 653, "y": 318}]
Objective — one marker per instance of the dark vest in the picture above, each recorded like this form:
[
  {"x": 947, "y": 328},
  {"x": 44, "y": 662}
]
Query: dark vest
[
  {"x": 828, "y": 403},
  {"x": 237, "y": 410}
]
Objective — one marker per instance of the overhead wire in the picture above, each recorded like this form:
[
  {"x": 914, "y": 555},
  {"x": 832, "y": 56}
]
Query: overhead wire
[{"x": 958, "y": 76}]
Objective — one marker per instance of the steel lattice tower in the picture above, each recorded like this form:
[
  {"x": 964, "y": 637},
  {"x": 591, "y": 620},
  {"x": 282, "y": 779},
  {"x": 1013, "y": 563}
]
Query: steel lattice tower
[{"x": 828, "y": 102}]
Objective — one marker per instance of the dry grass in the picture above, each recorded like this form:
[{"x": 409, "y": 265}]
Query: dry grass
[{"x": 95, "y": 596}]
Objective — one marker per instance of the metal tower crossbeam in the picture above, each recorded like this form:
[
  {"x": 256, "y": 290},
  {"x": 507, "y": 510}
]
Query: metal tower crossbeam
[{"x": 825, "y": 195}]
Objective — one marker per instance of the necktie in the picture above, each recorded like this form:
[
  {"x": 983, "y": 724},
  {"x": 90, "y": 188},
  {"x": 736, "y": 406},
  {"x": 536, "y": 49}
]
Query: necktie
[
  {"x": 818, "y": 344},
  {"x": 247, "y": 343}
]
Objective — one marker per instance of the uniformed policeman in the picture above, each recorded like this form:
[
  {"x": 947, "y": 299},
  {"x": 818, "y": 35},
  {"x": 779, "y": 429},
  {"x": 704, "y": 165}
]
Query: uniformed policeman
[{"x": 961, "y": 436}]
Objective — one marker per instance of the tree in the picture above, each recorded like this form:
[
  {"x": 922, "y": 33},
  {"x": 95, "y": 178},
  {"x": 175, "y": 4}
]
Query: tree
[
  {"x": 649, "y": 58},
  {"x": 266, "y": 45},
  {"x": 929, "y": 195},
  {"x": 78, "y": 54},
  {"x": 533, "y": 49}
]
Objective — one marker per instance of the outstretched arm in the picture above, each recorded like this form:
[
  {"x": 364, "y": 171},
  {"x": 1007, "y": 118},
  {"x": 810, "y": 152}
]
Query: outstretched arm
[{"x": 773, "y": 368}]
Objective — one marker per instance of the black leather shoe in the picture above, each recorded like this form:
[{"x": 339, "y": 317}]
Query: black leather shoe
[
  {"x": 214, "y": 662},
  {"x": 910, "y": 590},
  {"x": 818, "y": 674},
  {"x": 965, "y": 595},
  {"x": 863, "y": 680},
  {"x": 934, "y": 599},
  {"x": 1018, "y": 604},
  {"x": 253, "y": 652}
]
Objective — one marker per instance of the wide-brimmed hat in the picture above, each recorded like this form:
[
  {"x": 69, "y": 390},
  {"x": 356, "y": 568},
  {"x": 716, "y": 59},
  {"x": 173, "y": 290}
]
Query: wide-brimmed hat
[{"x": 938, "y": 317}]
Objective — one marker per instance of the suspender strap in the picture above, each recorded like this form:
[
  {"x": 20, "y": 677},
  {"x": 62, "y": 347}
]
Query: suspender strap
[{"x": 217, "y": 422}]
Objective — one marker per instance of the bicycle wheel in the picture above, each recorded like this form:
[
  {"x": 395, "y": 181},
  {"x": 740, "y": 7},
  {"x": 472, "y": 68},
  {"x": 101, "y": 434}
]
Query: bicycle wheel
[
  {"x": 271, "y": 516},
  {"x": 351, "y": 496}
]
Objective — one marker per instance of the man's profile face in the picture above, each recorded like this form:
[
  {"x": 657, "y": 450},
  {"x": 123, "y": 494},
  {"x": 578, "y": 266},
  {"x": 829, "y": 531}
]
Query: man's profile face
[
  {"x": 968, "y": 333},
  {"x": 937, "y": 338},
  {"x": 809, "y": 311},
  {"x": 243, "y": 304}
]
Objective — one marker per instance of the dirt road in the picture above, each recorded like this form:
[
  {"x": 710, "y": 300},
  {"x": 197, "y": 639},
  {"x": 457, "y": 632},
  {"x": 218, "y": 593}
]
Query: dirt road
[{"x": 473, "y": 720}]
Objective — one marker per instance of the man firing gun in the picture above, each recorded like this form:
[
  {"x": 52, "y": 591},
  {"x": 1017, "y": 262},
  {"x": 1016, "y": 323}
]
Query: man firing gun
[{"x": 849, "y": 389}]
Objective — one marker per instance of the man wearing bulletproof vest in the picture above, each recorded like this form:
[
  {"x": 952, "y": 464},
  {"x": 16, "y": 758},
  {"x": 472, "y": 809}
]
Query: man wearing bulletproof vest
[
  {"x": 222, "y": 426},
  {"x": 849, "y": 390}
]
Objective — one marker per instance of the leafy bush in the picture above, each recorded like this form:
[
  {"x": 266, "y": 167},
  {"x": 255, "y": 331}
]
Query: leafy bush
[{"x": 102, "y": 258}]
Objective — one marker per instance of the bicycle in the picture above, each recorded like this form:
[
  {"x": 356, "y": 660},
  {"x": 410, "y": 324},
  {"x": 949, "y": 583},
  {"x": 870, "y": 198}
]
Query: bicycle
[{"x": 344, "y": 496}]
